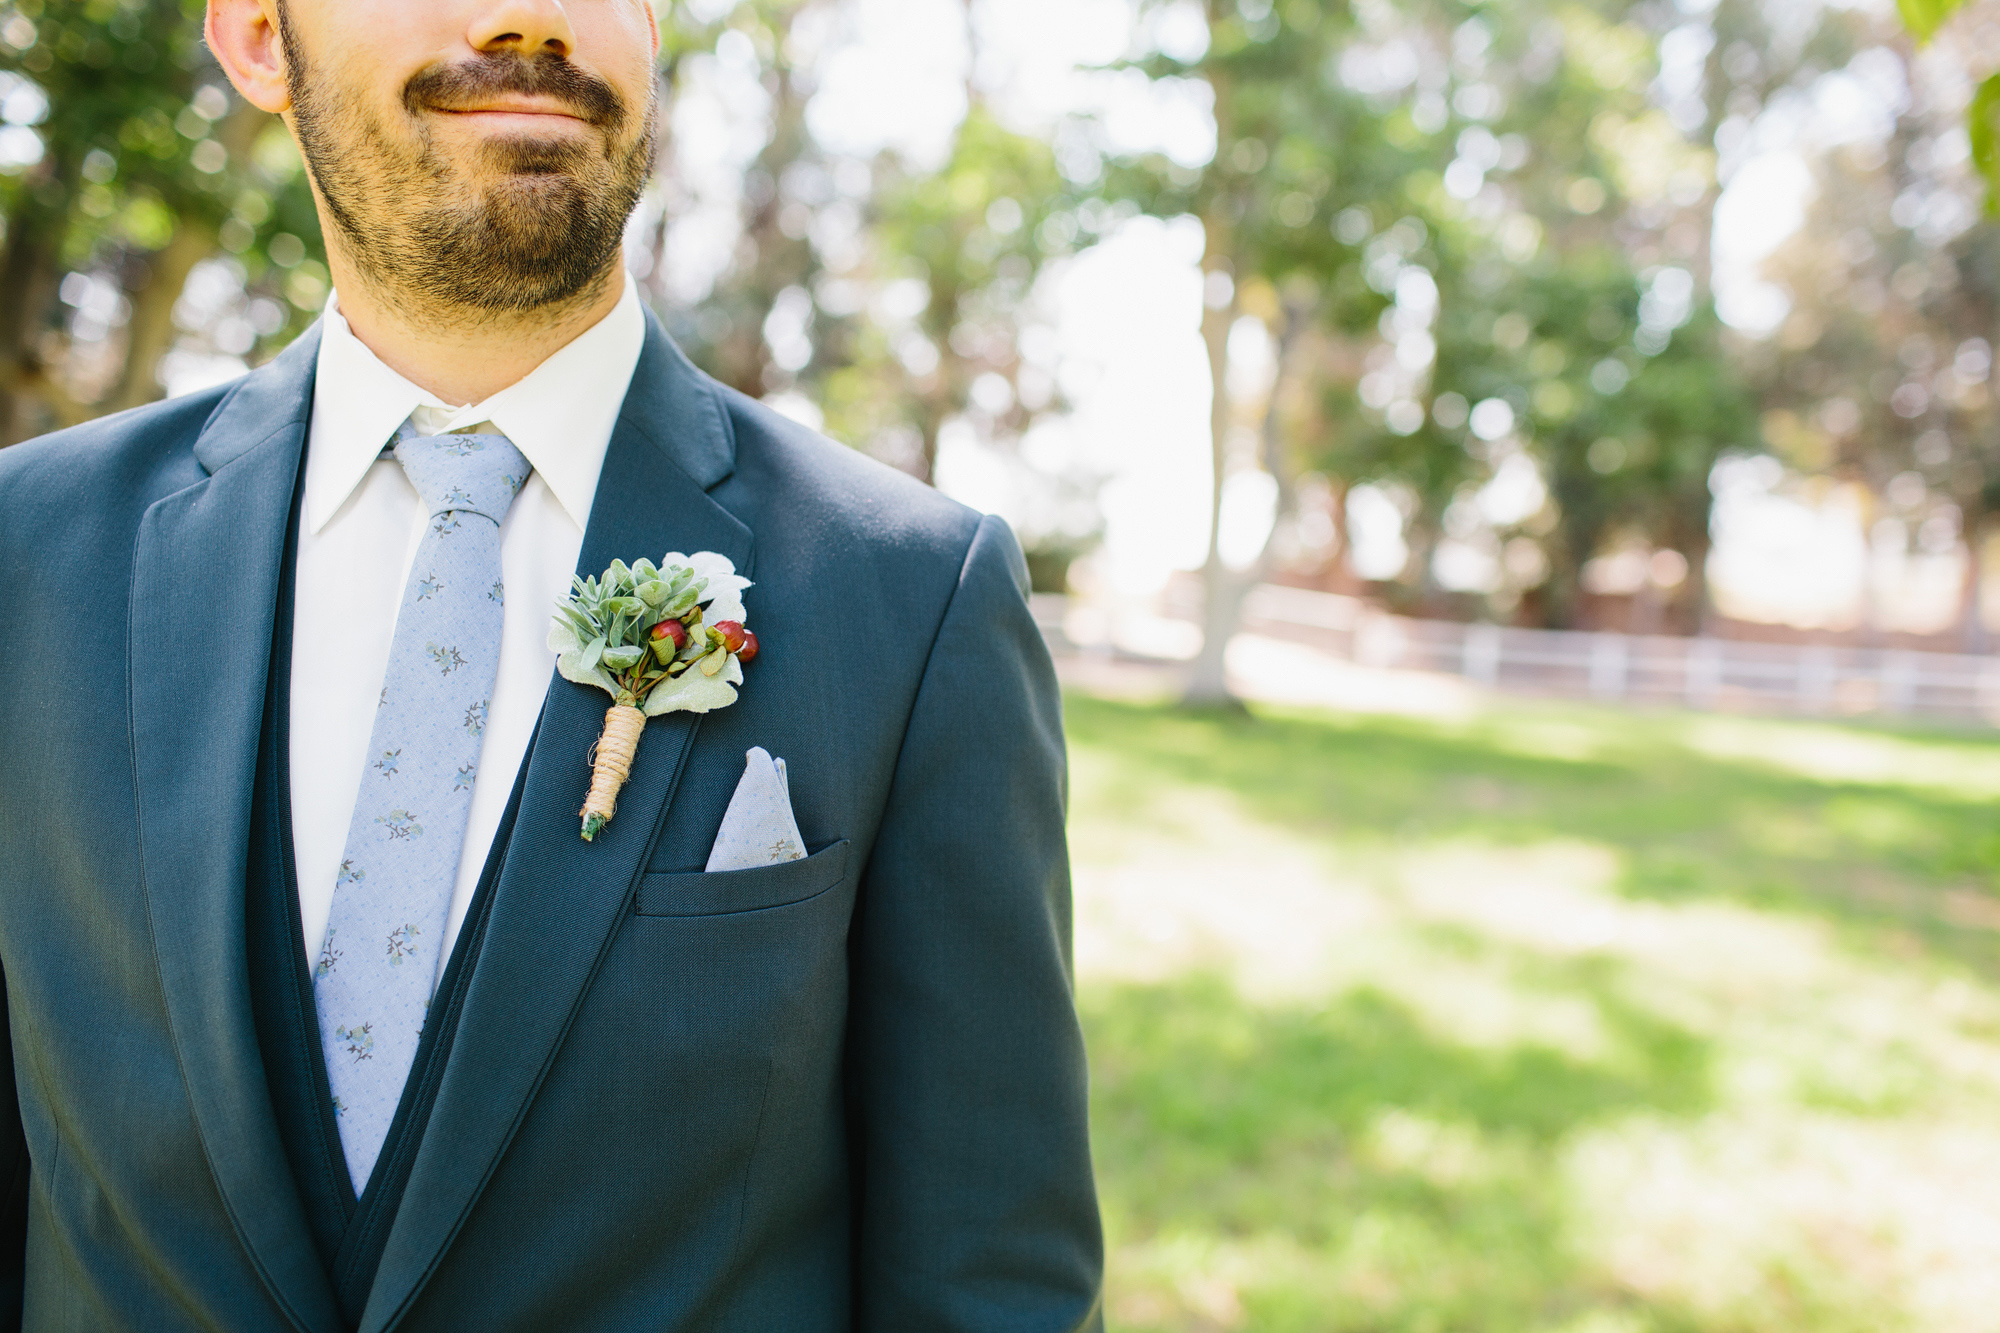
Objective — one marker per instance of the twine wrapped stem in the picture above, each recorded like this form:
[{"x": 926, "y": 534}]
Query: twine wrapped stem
[{"x": 616, "y": 748}]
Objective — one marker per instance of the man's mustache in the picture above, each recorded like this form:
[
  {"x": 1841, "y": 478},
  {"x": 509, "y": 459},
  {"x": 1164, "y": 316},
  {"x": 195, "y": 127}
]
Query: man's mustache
[{"x": 452, "y": 87}]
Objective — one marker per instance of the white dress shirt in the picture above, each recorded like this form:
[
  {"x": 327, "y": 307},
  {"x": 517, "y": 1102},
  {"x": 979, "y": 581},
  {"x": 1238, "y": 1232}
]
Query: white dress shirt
[{"x": 358, "y": 537}]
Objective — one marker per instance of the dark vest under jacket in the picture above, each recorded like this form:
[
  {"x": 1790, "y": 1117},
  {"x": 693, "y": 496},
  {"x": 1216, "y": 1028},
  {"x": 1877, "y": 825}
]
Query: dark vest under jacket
[{"x": 349, "y": 1232}]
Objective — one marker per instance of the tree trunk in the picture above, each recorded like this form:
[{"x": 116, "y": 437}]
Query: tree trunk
[
  {"x": 1971, "y": 620},
  {"x": 940, "y": 393},
  {"x": 1696, "y": 595},
  {"x": 1419, "y": 573},
  {"x": 151, "y": 330},
  {"x": 1341, "y": 576},
  {"x": 930, "y": 425},
  {"x": 1222, "y": 590},
  {"x": 768, "y": 261},
  {"x": 1567, "y": 549},
  {"x": 668, "y": 83},
  {"x": 28, "y": 275}
]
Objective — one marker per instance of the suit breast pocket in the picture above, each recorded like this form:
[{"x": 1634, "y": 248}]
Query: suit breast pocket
[{"x": 700, "y": 893}]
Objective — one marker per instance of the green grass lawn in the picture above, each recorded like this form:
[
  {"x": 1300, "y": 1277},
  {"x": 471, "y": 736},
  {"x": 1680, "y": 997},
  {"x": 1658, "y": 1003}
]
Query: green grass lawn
[{"x": 1548, "y": 1019}]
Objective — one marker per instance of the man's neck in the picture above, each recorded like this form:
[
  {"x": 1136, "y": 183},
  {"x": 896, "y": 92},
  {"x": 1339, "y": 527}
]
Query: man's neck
[{"x": 467, "y": 358}]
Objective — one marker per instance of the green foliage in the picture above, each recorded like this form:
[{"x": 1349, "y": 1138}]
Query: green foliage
[
  {"x": 1626, "y": 420},
  {"x": 886, "y": 368},
  {"x": 1524, "y": 207},
  {"x": 1525, "y": 169},
  {"x": 149, "y": 165},
  {"x": 138, "y": 137},
  {"x": 615, "y": 618},
  {"x": 1879, "y": 371},
  {"x": 1925, "y": 17},
  {"x": 1981, "y": 128},
  {"x": 975, "y": 233},
  {"x": 789, "y": 176}
]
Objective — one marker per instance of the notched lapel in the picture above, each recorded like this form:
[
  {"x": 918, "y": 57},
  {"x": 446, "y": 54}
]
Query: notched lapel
[
  {"x": 559, "y": 900},
  {"x": 204, "y": 595}
]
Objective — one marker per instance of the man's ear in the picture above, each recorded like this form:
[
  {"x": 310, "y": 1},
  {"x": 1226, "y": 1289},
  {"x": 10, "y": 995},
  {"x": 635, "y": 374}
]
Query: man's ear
[{"x": 244, "y": 36}]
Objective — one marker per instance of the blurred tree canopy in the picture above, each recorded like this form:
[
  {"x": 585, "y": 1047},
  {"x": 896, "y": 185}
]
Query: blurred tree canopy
[
  {"x": 128, "y": 164},
  {"x": 1469, "y": 244}
]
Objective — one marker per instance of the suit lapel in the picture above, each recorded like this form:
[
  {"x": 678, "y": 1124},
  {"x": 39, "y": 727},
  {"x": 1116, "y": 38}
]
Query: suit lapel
[
  {"x": 559, "y": 900},
  {"x": 204, "y": 592}
]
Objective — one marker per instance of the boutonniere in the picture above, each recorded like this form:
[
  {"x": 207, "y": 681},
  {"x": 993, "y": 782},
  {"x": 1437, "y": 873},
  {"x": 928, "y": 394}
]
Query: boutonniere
[{"x": 658, "y": 639}]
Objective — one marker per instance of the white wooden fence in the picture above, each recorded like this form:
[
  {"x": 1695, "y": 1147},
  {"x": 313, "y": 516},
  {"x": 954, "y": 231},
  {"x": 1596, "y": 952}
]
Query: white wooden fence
[
  {"x": 1695, "y": 672},
  {"x": 1703, "y": 673}
]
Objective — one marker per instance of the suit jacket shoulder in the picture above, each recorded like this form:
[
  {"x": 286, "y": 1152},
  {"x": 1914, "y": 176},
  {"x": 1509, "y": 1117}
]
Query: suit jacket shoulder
[{"x": 91, "y": 475}]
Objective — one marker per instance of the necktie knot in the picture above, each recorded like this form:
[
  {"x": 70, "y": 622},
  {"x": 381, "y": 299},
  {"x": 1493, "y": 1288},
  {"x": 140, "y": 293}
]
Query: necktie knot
[{"x": 467, "y": 474}]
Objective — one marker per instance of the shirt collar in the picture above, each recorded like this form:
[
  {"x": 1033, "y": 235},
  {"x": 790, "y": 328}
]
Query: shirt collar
[{"x": 560, "y": 415}]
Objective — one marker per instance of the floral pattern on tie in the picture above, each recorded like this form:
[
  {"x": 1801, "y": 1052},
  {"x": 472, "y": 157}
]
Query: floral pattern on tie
[{"x": 394, "y": 887}]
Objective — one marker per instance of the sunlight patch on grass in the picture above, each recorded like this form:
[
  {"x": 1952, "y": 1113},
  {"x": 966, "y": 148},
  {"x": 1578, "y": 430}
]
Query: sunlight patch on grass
[
  {"x": 1201, "y": 887},
  {"x": 1965, "y": 769},
  {"x": 1896, "y": 1222},
  {"x": 1542, "y": 735},
  {"x": 1555, "y": 897}
]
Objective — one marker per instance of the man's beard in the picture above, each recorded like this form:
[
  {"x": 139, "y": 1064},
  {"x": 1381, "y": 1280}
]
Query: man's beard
[{"x": 432, "y": 242}]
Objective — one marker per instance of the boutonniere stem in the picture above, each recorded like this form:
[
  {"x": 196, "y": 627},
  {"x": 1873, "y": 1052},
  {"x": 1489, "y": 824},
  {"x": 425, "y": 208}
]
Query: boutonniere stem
[
  {"x": 658, "y": 639},
  {"x": 611, "y": 763}
]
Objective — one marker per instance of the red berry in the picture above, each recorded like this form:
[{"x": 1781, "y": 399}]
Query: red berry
[
  {"x": 672, "y": 629},
  {"x": 732, "y": 633},
  {"x": 748, "y": 652}
]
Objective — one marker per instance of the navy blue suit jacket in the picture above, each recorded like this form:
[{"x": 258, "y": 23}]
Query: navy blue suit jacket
[{"x": 843, "y": 1092}]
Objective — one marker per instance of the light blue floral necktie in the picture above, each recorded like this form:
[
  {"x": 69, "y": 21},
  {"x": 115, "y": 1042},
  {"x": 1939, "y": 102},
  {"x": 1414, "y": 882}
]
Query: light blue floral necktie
[{"x": 379, "y": 960}]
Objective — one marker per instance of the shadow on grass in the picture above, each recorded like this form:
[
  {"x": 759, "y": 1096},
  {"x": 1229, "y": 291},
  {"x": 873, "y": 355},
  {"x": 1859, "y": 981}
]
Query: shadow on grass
[
  {"x": 1900, "y": 868},
  {"x": 1216, "y": 1073},
  {"x": 1342, "y": 1167}
]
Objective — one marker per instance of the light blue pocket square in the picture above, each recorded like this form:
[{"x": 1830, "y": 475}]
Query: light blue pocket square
[{"x": 758, "y": 828}]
